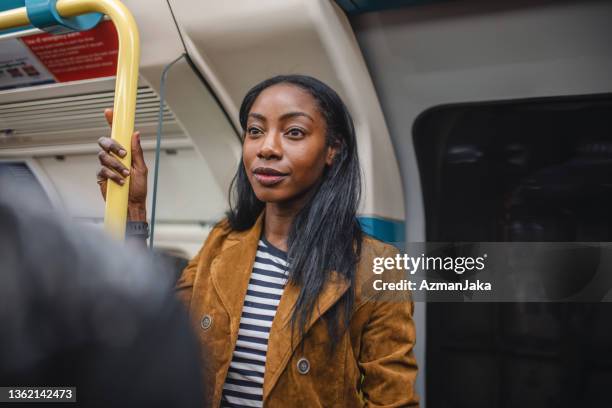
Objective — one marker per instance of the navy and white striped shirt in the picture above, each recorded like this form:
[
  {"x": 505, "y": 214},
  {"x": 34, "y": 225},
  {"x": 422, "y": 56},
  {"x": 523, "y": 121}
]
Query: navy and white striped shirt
[{"x": 244, "y": 382}]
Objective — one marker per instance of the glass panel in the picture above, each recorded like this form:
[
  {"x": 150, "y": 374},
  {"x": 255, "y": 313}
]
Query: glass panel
[{"x": 532, "y": 170}]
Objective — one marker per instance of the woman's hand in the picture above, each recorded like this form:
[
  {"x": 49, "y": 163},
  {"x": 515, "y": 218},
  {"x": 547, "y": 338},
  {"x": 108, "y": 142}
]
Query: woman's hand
[{"x": 111, "y": 168}]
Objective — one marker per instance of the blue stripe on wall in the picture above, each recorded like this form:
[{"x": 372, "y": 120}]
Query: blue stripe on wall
[
  {"x": 347, "y": 5},
  {"x": 386, "y": 230},
  {"x": 363, "y": 6}
]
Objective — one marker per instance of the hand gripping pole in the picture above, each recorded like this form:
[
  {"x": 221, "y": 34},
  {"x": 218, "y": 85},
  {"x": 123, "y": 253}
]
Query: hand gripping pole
[{"x": 65, "y": 15}]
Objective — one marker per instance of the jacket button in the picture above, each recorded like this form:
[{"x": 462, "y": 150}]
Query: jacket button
[
  {"x": 206, "y": 322},
  {"x": 303, "y": 365}
]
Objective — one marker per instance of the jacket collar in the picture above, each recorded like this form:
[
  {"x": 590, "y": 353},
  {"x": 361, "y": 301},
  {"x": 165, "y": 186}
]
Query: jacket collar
[{"x": 230, "y": 273}]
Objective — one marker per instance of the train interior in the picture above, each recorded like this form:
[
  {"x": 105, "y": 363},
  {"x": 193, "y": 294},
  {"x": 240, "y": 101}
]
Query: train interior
[{"x": 476, "y": 121}]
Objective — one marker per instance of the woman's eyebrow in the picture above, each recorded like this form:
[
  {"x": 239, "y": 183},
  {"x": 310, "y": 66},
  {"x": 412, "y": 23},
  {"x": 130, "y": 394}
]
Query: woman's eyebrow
[
  {"x": 258, "y": 116},
  {"x": 284, "y": 116},
  {"x": 290, "y": 115}
]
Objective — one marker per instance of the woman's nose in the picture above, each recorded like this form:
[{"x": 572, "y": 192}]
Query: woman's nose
[{"x": 270, "y": 147}]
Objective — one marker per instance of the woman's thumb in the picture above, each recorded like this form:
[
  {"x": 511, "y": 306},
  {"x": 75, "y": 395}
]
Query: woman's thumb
[{"x": 137, "y": 154}]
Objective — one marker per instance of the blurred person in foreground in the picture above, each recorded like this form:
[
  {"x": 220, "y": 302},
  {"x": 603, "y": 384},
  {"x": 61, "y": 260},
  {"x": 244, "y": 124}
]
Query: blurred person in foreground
[{"x": 78, "y": 310}]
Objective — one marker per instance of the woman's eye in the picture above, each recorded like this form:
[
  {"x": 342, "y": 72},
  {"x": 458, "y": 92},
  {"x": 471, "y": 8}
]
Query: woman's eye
[
  {"x": 253, "y": 131},
  {"x": 295, "y": 132}
]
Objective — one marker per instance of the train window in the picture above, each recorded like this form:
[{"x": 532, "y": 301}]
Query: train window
[
  {"x": 534, "y": 170},
  {"x": 530, "y": 170},
  {"x": 21, "y": 177}
]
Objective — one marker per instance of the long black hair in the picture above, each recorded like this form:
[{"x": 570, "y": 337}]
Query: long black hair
[{"x": 325, "y": 234}]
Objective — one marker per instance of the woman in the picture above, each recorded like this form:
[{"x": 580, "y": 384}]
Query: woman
[{"x": 277, "y": 291}]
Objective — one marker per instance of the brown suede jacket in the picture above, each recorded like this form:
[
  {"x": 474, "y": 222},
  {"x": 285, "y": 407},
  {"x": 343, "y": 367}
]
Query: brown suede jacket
[{"x": 373, "y": 366}]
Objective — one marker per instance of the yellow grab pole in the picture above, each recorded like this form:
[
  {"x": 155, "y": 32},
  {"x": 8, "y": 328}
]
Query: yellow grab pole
[
  {"x": 126, "y": 87},
  {"x": 14, "y": 18}
]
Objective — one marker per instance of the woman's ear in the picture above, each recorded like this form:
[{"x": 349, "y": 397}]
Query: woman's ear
[{"x": 332, "y": 150}]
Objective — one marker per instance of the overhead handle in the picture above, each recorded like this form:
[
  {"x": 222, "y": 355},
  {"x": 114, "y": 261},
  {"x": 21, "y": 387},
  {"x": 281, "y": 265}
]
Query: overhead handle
[{"x": 43, "y": 14}]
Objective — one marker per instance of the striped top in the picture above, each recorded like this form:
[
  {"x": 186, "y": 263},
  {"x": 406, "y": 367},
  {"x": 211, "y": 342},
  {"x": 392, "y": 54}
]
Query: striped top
[{"x": 244, "y": 382}]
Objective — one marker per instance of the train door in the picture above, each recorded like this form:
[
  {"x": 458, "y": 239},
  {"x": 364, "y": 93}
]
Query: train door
[{"x": 500, "y": 116}]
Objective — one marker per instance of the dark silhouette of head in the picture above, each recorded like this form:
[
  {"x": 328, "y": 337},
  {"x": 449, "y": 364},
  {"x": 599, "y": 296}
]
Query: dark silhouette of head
[{"x": 80, "y": 310}]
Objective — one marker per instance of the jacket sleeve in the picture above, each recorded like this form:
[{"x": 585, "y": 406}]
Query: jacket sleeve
[{"x": 386, "y": 357}]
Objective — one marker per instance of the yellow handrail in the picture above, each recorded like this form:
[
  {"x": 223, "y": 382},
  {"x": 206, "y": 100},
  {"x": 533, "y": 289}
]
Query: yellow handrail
[
  {"x": 14, "y": 18},
  {"x": 126, "y": 87}
]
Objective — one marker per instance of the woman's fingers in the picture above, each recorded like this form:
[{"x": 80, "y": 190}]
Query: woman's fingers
[
  {"x": 112, "y": 168},
  {"x": 109, "y": 145},
  {"x": 105, "y": 173},
  {"x": 111, "y": 162}
]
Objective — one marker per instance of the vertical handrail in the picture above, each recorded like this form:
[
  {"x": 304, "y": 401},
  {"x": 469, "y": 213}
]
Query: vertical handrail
[
  {"x": 160, "y": 125},
  {"x": 126, "y": 87},
  {"x": 16, "y": 17},
  {"x": 124, "y": 108}
]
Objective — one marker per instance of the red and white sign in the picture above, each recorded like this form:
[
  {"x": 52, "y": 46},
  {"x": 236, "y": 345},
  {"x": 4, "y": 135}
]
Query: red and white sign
[
  {"x": 80, "y": 55},
  {"x": 19, "y": 68}
]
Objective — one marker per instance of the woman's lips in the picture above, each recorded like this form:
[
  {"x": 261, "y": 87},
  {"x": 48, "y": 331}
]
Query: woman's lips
[
  {"x": 269, "y": 179},
  {"x": 268, "y": 176}
]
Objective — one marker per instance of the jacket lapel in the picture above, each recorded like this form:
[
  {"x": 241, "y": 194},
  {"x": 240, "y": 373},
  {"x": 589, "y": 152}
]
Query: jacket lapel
[
  {"x": 280, "y": 348},
  {"x": 231, "y": 271}
]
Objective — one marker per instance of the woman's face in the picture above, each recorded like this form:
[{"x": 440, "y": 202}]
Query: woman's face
[{"x": 284, "y": 151}]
